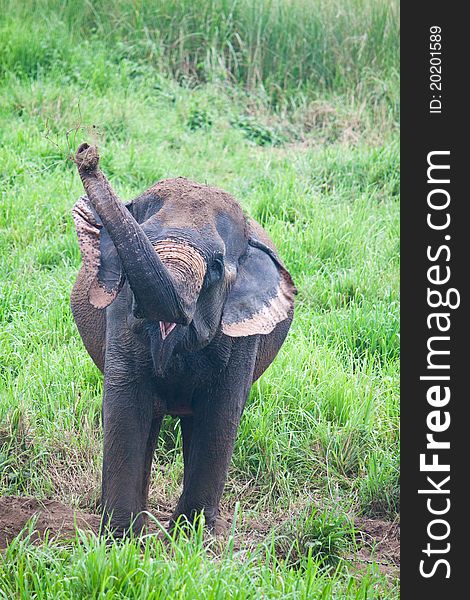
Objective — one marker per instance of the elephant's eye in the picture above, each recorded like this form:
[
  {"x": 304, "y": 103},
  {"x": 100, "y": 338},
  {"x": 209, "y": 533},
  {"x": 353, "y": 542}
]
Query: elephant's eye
[{"x": 216, "y": 269}]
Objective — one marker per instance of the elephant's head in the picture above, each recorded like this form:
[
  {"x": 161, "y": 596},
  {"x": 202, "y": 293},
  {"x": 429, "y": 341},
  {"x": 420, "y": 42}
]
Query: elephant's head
[{"x": 195, "y": 264}]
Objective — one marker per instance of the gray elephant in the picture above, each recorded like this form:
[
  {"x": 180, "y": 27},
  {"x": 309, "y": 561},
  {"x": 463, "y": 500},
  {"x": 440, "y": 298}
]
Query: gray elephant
[{"x": 182, "y": 302}]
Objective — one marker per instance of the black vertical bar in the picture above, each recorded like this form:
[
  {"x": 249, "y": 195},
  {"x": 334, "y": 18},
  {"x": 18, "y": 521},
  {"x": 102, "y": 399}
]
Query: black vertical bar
[{"x": 423, "y": 132}]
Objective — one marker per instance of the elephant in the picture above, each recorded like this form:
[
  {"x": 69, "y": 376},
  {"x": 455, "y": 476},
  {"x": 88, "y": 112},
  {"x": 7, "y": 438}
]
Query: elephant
[{"x": 182, "y": 302}]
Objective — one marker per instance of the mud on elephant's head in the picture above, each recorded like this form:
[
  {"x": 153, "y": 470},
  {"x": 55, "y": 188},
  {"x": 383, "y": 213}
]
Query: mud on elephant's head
[{"x": 195, "y": 265}]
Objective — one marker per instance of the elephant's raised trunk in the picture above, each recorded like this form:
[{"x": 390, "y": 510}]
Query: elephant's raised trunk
[
  {"x": 163, "y": 293},
  {"x": 185, "y": 263},
  {"x": 187, "y": 268}
]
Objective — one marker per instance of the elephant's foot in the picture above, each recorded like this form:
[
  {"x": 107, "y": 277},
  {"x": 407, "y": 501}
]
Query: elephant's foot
[
  {"x": 121, "y": 524},
  {"x": 182, "y": 517},
  {"x": 221, "y": 527}
]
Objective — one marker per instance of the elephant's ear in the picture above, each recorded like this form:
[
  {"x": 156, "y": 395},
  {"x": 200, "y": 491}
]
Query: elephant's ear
[
  {"x": 263, "y": 292},
  {"x": 101, "y": 263}
]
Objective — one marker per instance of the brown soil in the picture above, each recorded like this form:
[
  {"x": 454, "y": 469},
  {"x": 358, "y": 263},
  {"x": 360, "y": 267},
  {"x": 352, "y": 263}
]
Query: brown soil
[
  {"x": 52, "y": 517},
  {"x": 378, "y": 541}
]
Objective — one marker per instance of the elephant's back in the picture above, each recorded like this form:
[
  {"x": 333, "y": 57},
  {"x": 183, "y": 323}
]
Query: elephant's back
[{"x": 184, "y": 200}]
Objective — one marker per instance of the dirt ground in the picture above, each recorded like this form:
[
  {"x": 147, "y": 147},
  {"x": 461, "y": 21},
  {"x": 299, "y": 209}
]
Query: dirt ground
[
  {"x": 52, "y": 516},
  {"x": 378, "y": 540}
]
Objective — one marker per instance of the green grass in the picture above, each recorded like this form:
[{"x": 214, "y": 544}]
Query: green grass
[
  {"x": 278, "y": 45},
  {"x": 188, "y": 568},
  {"x": 292, "y": 108}
]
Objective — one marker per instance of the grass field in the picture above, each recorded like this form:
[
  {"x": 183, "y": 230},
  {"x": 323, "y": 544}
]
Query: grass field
[{"x": 293, "y": 107}]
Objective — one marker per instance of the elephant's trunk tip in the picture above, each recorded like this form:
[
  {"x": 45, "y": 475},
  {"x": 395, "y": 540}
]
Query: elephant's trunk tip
[{"x": 86, "y": 158}]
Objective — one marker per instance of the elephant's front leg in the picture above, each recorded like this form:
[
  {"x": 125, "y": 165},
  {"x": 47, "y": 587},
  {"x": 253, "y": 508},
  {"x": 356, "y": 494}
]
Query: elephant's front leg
[
  {"x": 217, "y": 413},
  {"x": 130, "y": 432}
]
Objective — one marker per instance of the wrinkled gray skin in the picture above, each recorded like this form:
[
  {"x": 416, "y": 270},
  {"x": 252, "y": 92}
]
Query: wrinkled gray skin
[{"x": 182, "y": 302}]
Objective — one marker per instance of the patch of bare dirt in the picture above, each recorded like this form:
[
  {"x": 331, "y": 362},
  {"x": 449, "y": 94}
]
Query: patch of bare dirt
[
  {"x": 379, "y": 543},
  {"x": 52, "y": 517},
  {"x": 55, "y": 518}
]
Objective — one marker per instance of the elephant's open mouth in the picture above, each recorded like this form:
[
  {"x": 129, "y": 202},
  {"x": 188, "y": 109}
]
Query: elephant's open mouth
[
  {"x": 166, "y": 329},
  {"x": 163, "y": 344}
]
